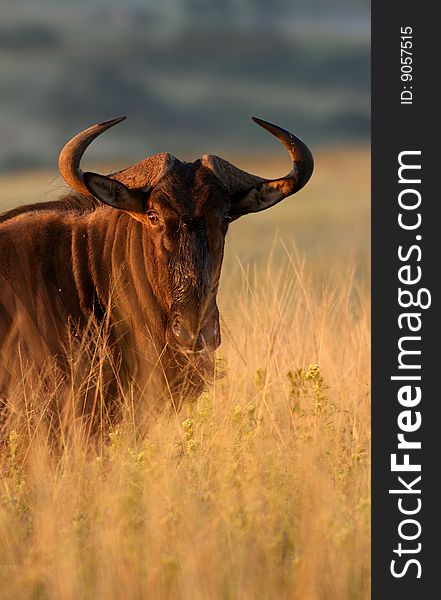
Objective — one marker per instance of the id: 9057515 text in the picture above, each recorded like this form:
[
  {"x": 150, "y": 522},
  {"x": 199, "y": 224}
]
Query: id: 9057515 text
[{"x": 406, "y": 65}]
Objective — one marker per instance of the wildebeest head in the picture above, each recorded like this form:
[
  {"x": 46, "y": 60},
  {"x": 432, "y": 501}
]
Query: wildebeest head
[{"x": 186, "y": 209}]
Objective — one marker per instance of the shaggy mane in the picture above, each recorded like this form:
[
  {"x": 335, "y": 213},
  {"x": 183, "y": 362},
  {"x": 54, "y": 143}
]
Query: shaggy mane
[{"x": 76, "y": 203}]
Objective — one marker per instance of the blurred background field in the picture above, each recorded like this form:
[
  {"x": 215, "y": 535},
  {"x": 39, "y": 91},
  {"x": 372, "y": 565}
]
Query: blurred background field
[
  {"x": 188, "y": 73},
  {"x": 262, "y": 488}
]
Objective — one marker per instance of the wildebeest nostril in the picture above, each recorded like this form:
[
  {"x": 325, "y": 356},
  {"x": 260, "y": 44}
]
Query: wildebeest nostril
[
  {"x": 182, "y": 334},
  {"x": 176, "y": 328}
]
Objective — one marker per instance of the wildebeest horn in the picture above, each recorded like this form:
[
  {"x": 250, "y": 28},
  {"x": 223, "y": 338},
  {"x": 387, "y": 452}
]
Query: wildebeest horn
[
  {"x": 251, "y": 193},
  {"x": 302, "y": 161},
  {"x": 71, "y": 154}
]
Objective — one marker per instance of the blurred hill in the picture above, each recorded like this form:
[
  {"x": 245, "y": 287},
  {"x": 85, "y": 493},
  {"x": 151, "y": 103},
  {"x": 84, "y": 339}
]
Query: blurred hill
[{"x": 188, "y": 73}]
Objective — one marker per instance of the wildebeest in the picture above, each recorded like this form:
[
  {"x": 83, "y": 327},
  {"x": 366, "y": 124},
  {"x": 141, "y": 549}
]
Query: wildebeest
[{"x": 141, "y": 249}]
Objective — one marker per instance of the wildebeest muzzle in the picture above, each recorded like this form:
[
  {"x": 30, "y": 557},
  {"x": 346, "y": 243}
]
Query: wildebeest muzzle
[{"x": 191, "y": 331}]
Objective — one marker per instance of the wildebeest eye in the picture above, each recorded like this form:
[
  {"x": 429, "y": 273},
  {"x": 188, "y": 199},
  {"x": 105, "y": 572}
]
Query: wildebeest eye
[
  {"x": 227, "y": 217},
  {"x": 153, "y": 217}
]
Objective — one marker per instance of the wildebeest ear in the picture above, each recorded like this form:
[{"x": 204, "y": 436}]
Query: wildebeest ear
[
  {"x": 264, "y": 195},
  {"x": 114, "y": 193},
  {"x": 250, "y": 193}
]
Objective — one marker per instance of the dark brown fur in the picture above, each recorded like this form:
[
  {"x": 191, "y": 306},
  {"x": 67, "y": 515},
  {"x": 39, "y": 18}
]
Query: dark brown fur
[
  {"x": 65, "y": 262},
  {"x": 132, "y": 276}
]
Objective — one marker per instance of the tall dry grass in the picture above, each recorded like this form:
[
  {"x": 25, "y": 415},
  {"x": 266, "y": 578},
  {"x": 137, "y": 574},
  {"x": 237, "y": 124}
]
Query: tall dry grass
[{"x": 260, "y": 489}]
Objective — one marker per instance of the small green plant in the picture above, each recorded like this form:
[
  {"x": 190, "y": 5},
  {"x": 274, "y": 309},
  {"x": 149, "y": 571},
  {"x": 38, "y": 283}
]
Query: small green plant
[
  {"x": 188, "y": 426},
  {"x": 314, "y": 377},
  {"x": 307, "y": 386}
]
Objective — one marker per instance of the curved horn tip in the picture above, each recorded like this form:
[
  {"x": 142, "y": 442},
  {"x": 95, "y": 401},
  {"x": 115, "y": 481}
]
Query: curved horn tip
[
  {"x": 111, "y": 122},
  {"x": 274, "y": 129},
  {"x": 286, "y": 137},
  {"x": 71, "y": 154},
  {"x": 298, "y": 150},
  {"x": 257, "y": 120}
]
